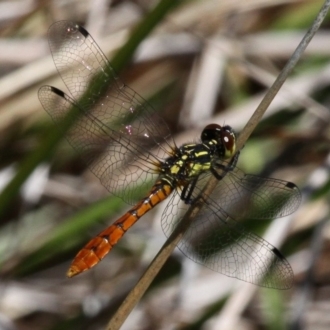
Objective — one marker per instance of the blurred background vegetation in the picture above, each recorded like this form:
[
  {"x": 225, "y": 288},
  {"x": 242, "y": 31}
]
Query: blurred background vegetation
[{"x": 205, "y": 61}]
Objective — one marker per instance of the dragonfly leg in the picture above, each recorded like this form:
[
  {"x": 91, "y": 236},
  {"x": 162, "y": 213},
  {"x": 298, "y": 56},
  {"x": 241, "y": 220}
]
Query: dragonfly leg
[
  {"x": 224, "y": 168},
  {"x": 188, "y": 190},
  {"x": 233, "y": 161}
]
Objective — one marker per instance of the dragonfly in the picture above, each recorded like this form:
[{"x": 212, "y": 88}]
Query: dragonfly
[{"x": 129, "y": 147}]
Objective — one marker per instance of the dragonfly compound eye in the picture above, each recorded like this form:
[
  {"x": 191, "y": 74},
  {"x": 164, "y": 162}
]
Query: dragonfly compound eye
[
  {"x": 224, "y": 136},
  {"x": 211, "y": 132},
  {"x": 228, "y": 140}
]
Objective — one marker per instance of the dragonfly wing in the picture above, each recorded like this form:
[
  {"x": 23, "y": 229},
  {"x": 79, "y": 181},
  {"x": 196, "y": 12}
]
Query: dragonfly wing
[
  {"x": 217, "y": 241},
  {"x": 122, "y": 166},
  {"x": 246, "y": 196},
  {"x": 116, "y": 129},
  {"x": 94, "y": 85}
]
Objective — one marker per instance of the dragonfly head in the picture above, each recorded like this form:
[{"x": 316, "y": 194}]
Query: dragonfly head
[{"x": 224, "y": 137}]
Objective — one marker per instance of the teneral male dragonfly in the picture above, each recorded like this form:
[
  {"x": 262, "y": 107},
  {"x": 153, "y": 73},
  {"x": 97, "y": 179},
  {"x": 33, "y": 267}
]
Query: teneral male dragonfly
[{"x": 129, "y": 148}]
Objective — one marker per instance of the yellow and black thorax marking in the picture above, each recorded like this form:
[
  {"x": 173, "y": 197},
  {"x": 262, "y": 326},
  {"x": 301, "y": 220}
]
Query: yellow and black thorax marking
[{"x": 189, "y": 161}]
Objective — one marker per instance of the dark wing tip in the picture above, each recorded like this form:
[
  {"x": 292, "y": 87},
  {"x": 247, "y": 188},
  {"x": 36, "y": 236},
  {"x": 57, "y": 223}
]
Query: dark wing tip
[
  {"x": 285, "y": 274},
  {"x": 57, "y": 91},
  {"x": 47, "y": 89},
  {"x": 82, "y": 31},
  {"x": 54, "y": 90},
  {"x": 291, "y": 185},
  {"x": 278, "y": 253}
]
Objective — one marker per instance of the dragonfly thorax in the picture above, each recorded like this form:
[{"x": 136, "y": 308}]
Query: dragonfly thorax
[{"x": 190, "y": 160}]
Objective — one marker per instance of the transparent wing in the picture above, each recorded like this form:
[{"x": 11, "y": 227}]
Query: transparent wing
[
  {"x": 246, "y": 196},
  {"x": 94, "y": 85},
  {"x": 117, "y": 126},
  {"x": 217, "y": 241},
  {"x": 106, "y": 152}
]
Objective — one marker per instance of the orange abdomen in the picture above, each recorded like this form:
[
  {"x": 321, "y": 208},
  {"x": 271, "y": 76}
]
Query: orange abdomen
[{"x": 96, "y": 249}]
